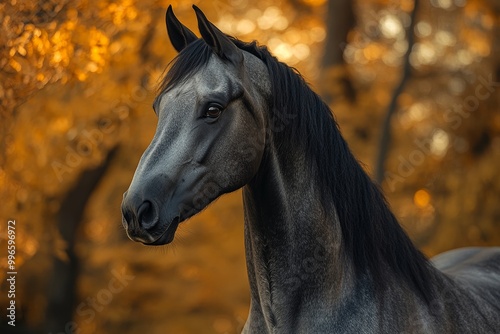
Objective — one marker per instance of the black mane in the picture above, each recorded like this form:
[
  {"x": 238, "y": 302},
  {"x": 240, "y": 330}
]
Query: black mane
[{"x": 372, "y": 237}]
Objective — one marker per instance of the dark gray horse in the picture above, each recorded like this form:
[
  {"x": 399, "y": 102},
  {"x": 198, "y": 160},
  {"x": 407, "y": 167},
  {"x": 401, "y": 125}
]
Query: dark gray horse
[{"x": 324, "y": 252}]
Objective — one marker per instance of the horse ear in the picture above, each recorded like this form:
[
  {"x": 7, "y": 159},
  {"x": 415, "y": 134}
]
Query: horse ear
[
  {"x": 220, "y": 43},
  {"x": 180, "y": 36}
]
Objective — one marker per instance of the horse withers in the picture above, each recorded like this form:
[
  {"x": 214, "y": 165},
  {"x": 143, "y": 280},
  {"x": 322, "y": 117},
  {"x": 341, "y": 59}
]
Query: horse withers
[{"x": 324, "y": 252}]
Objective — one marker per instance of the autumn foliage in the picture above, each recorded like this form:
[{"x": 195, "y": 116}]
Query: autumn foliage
[{"x": 76, "y": 85}]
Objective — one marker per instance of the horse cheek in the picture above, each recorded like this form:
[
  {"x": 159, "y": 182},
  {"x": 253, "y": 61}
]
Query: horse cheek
[{"x": 249, "y": 154}]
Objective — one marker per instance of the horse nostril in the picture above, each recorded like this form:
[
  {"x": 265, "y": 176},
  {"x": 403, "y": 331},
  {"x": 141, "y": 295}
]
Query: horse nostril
[{"x": 147, "y": 215}]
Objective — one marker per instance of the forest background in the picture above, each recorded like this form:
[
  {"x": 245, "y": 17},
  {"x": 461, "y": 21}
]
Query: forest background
[{"x": 414, "y": 86}]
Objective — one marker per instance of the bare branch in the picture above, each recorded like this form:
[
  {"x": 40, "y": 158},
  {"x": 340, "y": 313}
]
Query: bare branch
[{"x": 385, "y": 137}]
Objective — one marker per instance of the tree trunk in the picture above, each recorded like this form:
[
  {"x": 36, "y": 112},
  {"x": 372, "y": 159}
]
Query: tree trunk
[
  {"x": 385, "y": 137},
  {"x": 62, "y": 285},
  {"x": 335, "y": 81}
]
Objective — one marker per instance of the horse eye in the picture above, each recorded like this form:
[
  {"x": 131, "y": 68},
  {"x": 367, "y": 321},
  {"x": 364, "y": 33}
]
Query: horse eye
[{"x": 213, "y": 112}]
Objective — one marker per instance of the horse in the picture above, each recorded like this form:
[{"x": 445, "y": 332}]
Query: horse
[{"x": 324, "y": 252}]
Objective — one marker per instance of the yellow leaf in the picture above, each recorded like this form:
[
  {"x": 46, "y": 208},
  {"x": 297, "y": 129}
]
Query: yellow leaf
[
  {"x": 422, "y": 198},
  {"x": 15, "y": 65}
]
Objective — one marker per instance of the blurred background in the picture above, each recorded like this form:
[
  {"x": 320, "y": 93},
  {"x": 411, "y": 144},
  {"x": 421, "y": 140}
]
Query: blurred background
[{"x": 414, "y": 87}]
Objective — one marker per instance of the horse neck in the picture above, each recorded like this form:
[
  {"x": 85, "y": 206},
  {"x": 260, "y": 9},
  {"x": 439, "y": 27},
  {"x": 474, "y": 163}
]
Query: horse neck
[{"x": 293, "y": 245}]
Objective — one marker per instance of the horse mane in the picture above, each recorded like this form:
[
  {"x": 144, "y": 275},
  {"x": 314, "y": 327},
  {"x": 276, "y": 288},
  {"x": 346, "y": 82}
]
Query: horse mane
[{"x": 371, "y": 233}]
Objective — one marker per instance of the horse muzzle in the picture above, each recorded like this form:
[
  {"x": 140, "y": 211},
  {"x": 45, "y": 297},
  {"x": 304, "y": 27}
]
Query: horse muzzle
[{"x": 142, "y": 221}]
